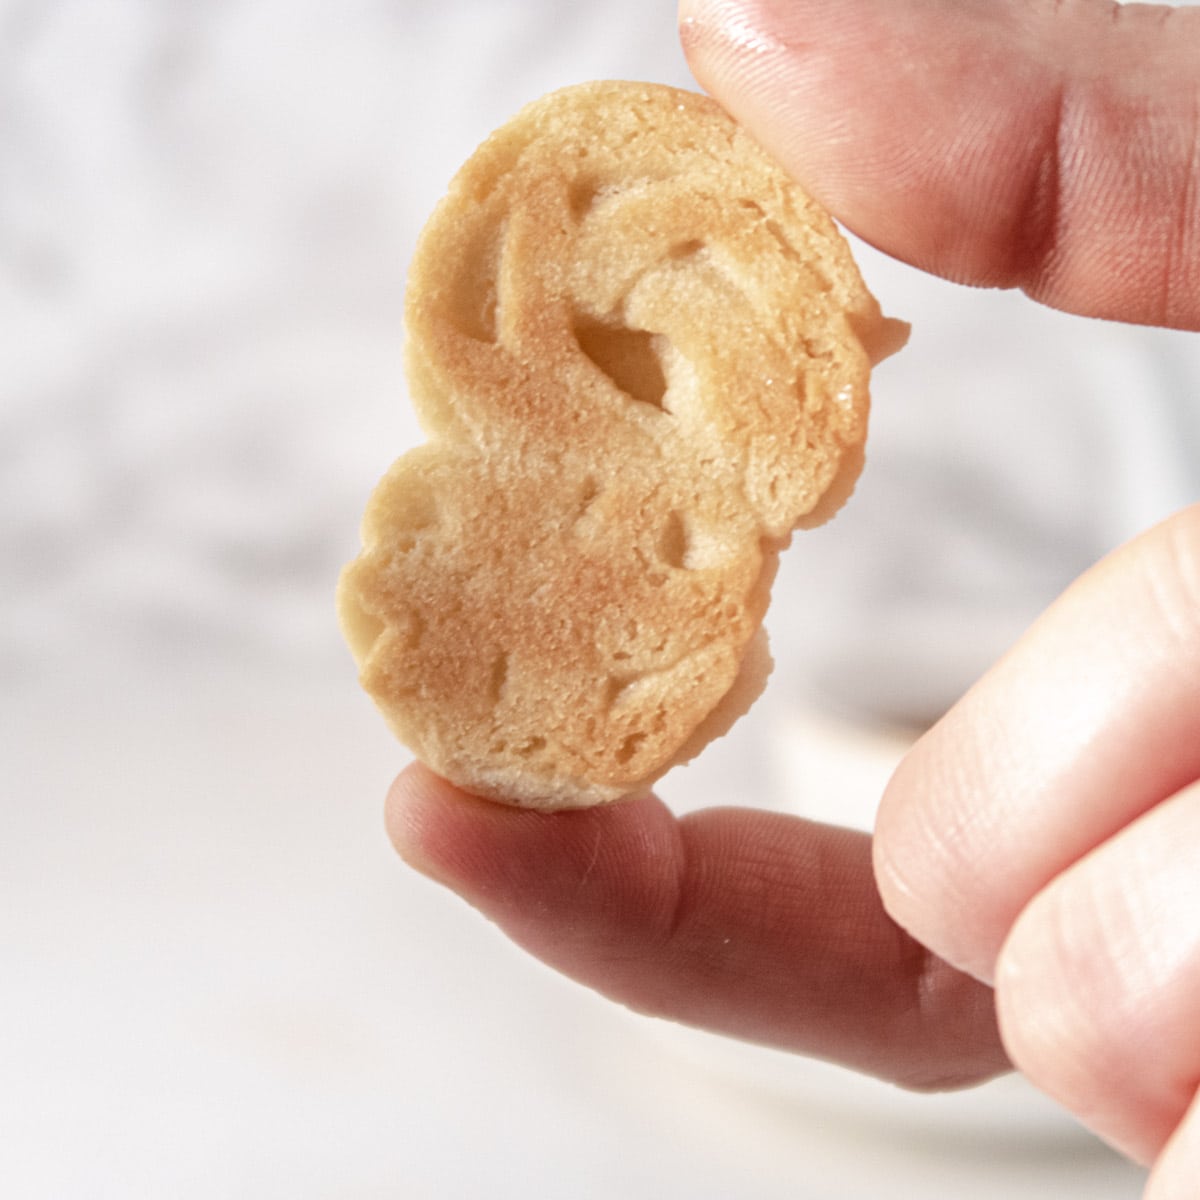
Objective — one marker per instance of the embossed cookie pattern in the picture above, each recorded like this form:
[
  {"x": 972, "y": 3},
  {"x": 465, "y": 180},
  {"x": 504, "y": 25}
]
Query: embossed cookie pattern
[{"x": 641, "y": 356}]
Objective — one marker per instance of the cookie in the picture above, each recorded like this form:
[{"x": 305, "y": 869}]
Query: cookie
[{"x": 641, "y": 355}]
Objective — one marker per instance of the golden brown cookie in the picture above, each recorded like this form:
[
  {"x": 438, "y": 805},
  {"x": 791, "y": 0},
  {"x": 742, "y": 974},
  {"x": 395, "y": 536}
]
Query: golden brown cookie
[{"x": 641, "y": 355}]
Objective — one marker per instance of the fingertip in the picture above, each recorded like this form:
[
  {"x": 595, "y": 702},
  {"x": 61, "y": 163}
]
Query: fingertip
[
  {"x": 510, "y": 861},
  {"x": 918, "y": 843},
  {"x": 859, "y": 140},
  {"x": 890, "y": 846},
  {"x": 419, "y": 809},
  {"x": 889, "y": 878}
]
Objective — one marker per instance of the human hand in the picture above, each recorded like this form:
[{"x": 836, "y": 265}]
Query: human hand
[{"x": 1045, "y": 836}]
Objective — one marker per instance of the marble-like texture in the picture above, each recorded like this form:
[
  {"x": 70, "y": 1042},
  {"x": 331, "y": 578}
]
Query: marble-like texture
[{"x": 218, "y": 981}]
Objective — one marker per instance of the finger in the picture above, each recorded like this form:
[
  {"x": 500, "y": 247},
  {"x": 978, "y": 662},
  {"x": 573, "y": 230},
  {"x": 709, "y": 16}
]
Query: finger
[
  {"x": 1089, "y": 721},
  {"x": 1049, "y": 146},
  {"x": 1178, "y": 1167},
  {"x": 752, "y": 924},
  {"x": 1098, "y": 984}
]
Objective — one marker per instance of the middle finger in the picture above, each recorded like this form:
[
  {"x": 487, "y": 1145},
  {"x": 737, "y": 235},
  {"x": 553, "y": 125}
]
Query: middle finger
[{"x": 1098, "y": 984}]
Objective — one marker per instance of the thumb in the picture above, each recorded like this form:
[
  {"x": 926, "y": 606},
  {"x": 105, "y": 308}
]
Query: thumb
[{"x": 1050, "y": 145}]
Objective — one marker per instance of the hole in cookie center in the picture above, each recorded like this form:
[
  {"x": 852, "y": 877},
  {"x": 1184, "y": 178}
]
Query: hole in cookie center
[{"x": 629, "y": 357}]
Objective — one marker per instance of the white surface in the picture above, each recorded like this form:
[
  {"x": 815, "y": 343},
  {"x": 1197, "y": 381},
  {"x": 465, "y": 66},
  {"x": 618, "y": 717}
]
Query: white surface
[{"x": 218, "y": 981}]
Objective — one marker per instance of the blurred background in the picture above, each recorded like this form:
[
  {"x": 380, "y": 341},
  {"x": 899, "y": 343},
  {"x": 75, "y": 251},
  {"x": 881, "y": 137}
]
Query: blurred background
[{"x": 217, "y": 979}]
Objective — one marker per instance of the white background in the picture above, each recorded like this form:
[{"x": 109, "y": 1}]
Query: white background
[{"x": 217, "y": 981}]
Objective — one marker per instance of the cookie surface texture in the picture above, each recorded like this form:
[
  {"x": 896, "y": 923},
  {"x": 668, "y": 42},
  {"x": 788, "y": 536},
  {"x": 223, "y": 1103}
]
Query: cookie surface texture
[{"x": 641, "y": 355}]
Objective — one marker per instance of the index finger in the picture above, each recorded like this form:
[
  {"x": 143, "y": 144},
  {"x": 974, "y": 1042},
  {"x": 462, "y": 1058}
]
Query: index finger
[{"x": 747, "y": 923}]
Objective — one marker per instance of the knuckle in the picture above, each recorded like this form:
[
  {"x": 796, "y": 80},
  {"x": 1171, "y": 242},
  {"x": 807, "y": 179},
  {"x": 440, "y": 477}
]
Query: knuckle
[
  {"x": 1090, "y": 162},
  {"x": 945, "y": 1000}
]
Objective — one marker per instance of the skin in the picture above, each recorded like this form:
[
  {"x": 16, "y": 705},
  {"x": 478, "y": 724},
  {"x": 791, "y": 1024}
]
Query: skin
[{"x": 1032, "y": 890}]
